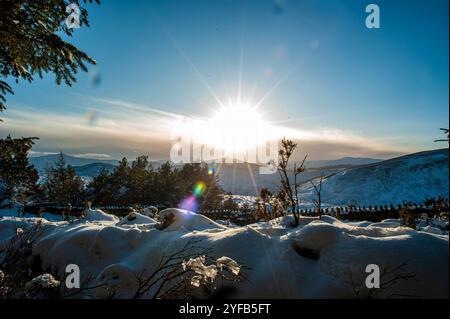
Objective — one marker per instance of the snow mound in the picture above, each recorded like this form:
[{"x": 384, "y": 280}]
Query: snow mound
[
  {"x": 119, "y": 276},
  {"x": 51, "y": 217},
  {"x": 181, "y": 219},
  {"x": 432, "y": 230},
  {"x": 363, "y": 223},
  {"x": 385, "y": 224},
  {"x": 134, "y": 218},
  {"x": 317, "y": 235},
  {"x": 318, "y": 259},
  {"x": 99, "y": 215}
]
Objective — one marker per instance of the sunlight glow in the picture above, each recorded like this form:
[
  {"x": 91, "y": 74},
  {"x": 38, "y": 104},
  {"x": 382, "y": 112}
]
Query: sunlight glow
[{"x": 236, "y": 128}]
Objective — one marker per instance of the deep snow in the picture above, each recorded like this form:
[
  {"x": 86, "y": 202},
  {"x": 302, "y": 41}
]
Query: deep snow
[{"x": 270, "y": 252}]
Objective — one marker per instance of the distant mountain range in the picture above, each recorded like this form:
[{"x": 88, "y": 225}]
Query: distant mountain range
[{"x": 42, "y": 162}]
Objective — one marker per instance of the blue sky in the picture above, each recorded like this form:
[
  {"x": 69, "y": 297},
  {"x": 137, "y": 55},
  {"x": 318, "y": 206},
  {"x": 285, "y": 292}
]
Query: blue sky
[{"x": 358, "y": 91}]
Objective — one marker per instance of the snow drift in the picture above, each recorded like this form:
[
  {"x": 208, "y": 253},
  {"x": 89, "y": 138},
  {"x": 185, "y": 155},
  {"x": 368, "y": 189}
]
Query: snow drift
[{"x": 319, "y": 259}]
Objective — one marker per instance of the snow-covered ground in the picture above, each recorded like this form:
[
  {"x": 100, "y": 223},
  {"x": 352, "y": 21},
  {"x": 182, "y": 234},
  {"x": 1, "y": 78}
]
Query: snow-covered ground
[
  {"x": 415, "y": 177},
  {"x": 319, "y": 259},
  {"x": 4, "y": 213}
]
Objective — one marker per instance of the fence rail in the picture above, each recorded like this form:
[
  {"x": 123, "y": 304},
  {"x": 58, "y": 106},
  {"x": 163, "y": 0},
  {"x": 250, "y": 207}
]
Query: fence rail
[
  {"x": 244, "y": 216},
  {"x": 351, "y": 213},
  {"x": 60, "y": 209}
]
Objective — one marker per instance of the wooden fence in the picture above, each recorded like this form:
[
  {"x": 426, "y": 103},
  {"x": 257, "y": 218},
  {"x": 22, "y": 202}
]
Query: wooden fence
[
  {"x": 60, "y": 209},
  {"x": 245, "y": 216},
  {"x": 351, "y": 213}
]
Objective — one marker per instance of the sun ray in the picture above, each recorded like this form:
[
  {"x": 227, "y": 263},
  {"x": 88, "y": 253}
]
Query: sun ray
[
  {"x": 227, "y": 91},
  {"x": 241, "y": 57},
  {"x": 298, "y": 62},
  {"x": 172, "y": 40}
]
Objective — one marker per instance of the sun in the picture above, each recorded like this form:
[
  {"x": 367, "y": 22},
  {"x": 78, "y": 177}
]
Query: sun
[
  {"x": 236, "y": 128},
  {"x": 234, "y": 131}
]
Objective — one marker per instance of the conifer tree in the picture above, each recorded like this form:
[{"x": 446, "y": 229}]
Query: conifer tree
[
  {"x": 62, "y": 184},
  {"x": 31, "y": 42},
  {"x": 18, "y": 178},
  {"x": 100, "y": 188}
]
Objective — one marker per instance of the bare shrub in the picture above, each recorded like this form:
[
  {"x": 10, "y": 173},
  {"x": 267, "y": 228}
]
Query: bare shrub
[
  {"x": 187, "y": 272},
  {"x": 390, "y": 277}
]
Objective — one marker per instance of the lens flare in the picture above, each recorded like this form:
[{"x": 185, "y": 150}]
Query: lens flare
[
  {"x": 199, "y": 188},
  {"x": 212, "y": 168},
  {"x": 189, "y": 203}
]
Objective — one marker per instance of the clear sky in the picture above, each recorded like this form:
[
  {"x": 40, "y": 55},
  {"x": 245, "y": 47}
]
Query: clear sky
[{"x": 313, "y": 66}]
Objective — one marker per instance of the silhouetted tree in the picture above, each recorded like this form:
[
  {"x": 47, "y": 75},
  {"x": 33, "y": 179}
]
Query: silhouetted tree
[
  {"x": 318, "y": 200},
  {"x": 62, "y": 185},
  {"x": 18, "y": 178},
  {"x": 446, "y": 131},
  {"x": 289, "y": 189},
  {"x": 166, "y": 186},
  {"x": 31, "y": 42},
  {"x": 100, "y": 188},
  {"x": 265, "y": 196}
]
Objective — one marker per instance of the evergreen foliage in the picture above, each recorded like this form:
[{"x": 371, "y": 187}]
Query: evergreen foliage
[
  {"x": 62, "y": 185},
  {"x": 31, "y": 42},
  {"x": 18, "y": 178}
]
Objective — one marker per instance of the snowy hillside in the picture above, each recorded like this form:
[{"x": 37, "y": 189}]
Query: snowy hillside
[
  {"x": 413, "y": 177},
  {"x": 319, "y": 259},
  {"x": 345, "y": 161}
]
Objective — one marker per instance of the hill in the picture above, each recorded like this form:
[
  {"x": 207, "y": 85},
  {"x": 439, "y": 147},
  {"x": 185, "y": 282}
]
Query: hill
[{"x": 414, "y": 177}]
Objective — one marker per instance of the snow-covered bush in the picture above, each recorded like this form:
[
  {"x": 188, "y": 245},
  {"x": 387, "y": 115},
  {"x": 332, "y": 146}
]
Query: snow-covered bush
[
  {"x": 187, "y": 272},
  {"x": 408, "y": 217},
  {"x": 207, "y": 274},
  {"x": 17, "y": 261},
  {"x": 41, "y": 286}
]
